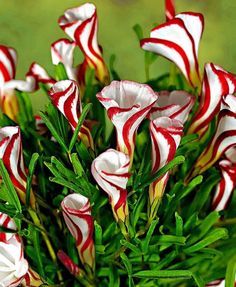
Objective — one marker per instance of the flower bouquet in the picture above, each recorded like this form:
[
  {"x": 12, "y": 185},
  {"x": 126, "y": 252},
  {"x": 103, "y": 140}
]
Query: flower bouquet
[{"x": 118, "y": 183}]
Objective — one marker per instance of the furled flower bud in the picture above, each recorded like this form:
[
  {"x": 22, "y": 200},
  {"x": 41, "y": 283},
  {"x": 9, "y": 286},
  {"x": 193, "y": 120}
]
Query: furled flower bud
[
  {"x": 80, "y": 24},
  {"x": 224, "y": 138},
  {"x": 127, "y": 104},
  {"x": 178, "y": 41},
  {"x": 226, "y": 186},
  {"x": 68, "y": 263},
  {"x": 170, "y": 9},
  {"x": 65, "y": 96},
  {"x": 175, "y": 105},
  {"x": 62, "y": 52},
  {"x": 13, "y": 266},
  {"x": 216, "y": 84},
  {"x": 11, "y": 154},
  {"x": 165, "y": 135},
  {"x": 77, "y": 214},
  {"x": 110, "y": 170}
]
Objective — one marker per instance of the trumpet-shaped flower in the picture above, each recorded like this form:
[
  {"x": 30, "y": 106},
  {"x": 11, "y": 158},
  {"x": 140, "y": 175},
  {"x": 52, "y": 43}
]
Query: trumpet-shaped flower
[
  {"x": 224, "y": 138},
  {"x": 80, "y": 24},
  {"x": 226, "y": 186},
  {"x": 65, "y": 96},
  {"x": 62, "y": 52},
  {"x": 175, "y": 105},
  {"x": 77, "y": 214},
  {"x": 13, "y": 266},
  {"x": 216, "y": 84},
  {"x": 11, "y": 154},
  {"x": 165, "y": 135},
  {"x": 178, "y": 41},
  {"x": 32, "y": 279},
  {"x": 127, "y": 104},
  {"x": 110, "y": 170},
  {"x": 170, "y": 9}
]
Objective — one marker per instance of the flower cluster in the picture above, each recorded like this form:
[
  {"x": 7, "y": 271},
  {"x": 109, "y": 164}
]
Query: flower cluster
[{"x": 123, "y": 151}]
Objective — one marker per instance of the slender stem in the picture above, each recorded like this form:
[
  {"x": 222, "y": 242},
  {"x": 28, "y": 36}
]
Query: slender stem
[
  {"x": 46, "y": 239},
  {"x": 230, "y": 221}
]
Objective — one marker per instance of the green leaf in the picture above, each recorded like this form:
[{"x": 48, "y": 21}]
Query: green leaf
[
  {"x": 53, "y": 131},
  {"x": 98, "y": 233},
  {"x": 131, "y": 246},
  {"x": 151, "y": 178},
  {"x": 230, "y": 272},
  {"x": 138, "y": 31},
  {"x": 127, "y": 263},
  {"x": 149, "y": 235},
  {"x": 12, "y": 195},
  {"x": 114, "y": 278},
  {"x": 78, "y": 169},
  {"x": 185, "y": 274},
  {"x": 38, "y": 257},
  {"x": 135, "y": 215},
  {"x": 32, "y": 166},
  {"x": 179, "y": 224},
  {"x": 213, "y": 236},
  {"x": 188, "y": 139},
  {"x": 60, "y": 72},
  {"x": 82, "y": 117}
]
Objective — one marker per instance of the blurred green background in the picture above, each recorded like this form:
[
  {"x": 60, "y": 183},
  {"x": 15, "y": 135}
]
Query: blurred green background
[{"x": 30, "y": 26}]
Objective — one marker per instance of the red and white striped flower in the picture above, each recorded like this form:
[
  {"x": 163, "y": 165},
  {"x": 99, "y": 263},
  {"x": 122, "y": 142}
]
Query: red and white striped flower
[
  {"x": 80, "y": 24},
  {"x": 65, "y": 96},
  {"x": 216, "y": 84},
  {"x": 166, "y": 134},
  {"x": 77, "y": 214},
  {"x": 32, "y": 279},
  {"x": 13, "y": 266},
  {"x": 110, "y": 170},
  {"x": 127, "y": 104},
  {"x": 226, "y": 186},
  {"x": 175, "y": 105},
  {"x": 178, "y": 41},
  {"x": 224, "y": 138},
  {"x": 170, "y": 9},
  {"x": 11, "y": 154},
  {"x": 62, "y": 51},
  {"x": 68, "y": 263},
  {"x": 216, "y": 283},
  {"x": 40, "y": 75}
]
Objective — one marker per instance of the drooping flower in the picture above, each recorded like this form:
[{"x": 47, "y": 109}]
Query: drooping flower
[
  {"x": 175, "y": 105},
  {"x": 65, "y": 96},
  {"x": 224, "y": 138},
  {"x": 127, "y": 104},
  {"x": 165, "y": 135},
  {"x": 13, "y": 266},
  {"x": 178, "y": 41},
  {"x": 226, "y": 186},
  {"x": 110, "y": 170},
  {"x": 77, "y": 214},
  {"x": 80, "y": 24},
  {"x": 216, "y": 84},
  {"x": 11, "y": 154},
  {"x": 62, "y": 52},
  {"x": 170, "y": 9}
]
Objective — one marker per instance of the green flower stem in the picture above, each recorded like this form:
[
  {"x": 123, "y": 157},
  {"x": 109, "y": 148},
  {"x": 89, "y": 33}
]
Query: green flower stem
[{"x": 46, "y": 239}]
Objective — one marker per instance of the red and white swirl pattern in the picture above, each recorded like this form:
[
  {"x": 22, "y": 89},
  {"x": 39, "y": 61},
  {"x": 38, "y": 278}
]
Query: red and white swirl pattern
[
  {"x": 11, "y": 154},
  {"x": 178, "y": 41},
  {"x": 110, "y": 170},
  {"x": 32, "y": 279},
  {"x": 224, "y": 138},
  {"x": 40, "y": 75},
  {"x": 216, "y": 84},
  {"x": 170, "y": 9},
  {"x": 80, "y": 24},
  {"x": 68, "y": 263},
  {"x": 166, "y": 134},
  {"x": 127, "y": 104},
  {"x": 13, "y": 266},
  {"x": 62, "y": 51},
  {"x": 77, "y": 214},
  {"x": 175, "y": 105},
  {"x": 65, "y": 96},
  {"x": 226, "y": 186}
]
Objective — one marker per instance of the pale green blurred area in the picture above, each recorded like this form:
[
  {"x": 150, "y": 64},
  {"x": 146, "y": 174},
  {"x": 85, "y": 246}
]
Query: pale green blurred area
[{"x": 30, "y": 26}]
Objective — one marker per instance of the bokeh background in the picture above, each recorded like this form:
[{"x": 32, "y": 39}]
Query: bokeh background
[{"x": 30, "y": 26}]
